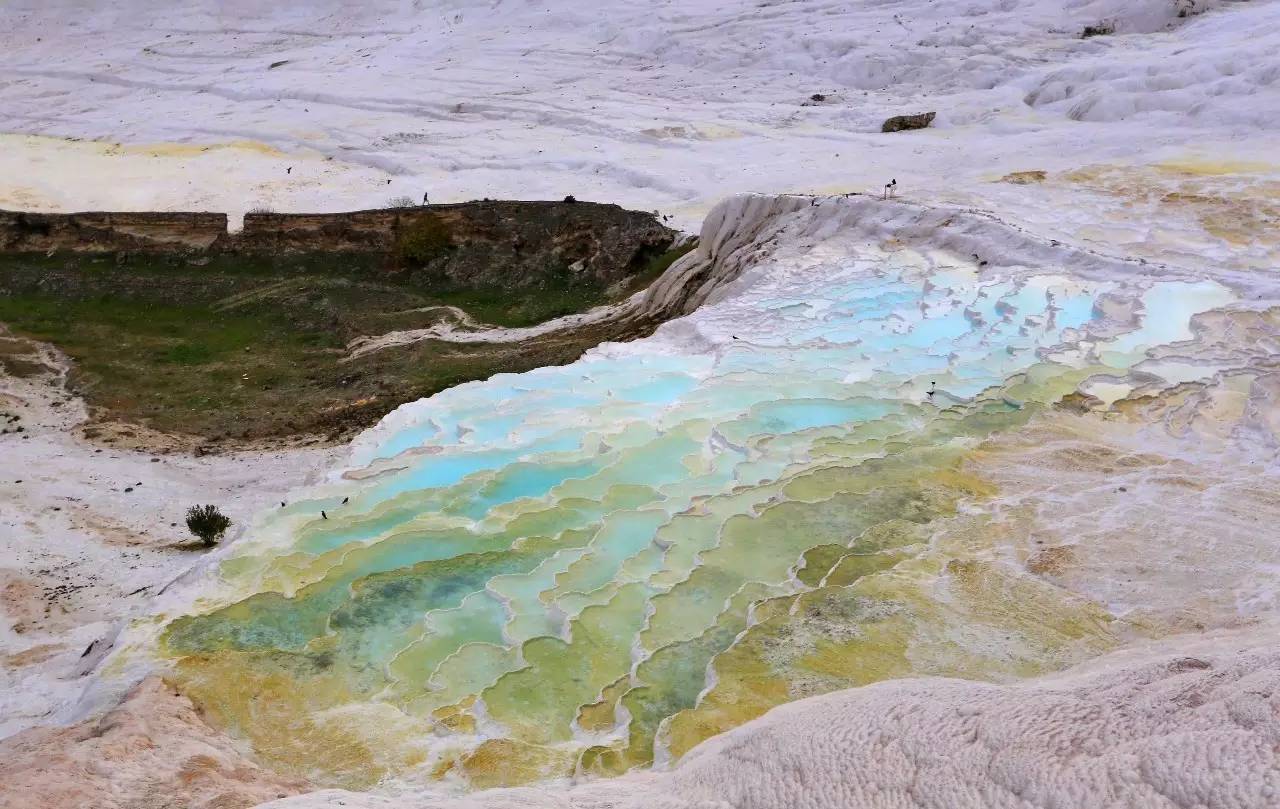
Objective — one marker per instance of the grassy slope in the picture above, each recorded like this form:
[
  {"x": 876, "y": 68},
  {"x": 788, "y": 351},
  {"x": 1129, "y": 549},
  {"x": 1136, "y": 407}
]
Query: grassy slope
[{"x": 233, "y": 350}]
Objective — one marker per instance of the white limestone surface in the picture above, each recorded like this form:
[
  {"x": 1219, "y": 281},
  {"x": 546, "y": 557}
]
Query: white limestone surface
[{"x": 1185, "y": 723}]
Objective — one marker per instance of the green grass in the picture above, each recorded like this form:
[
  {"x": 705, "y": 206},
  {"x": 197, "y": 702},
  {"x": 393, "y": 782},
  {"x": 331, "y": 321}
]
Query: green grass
[
  {"x": 188, "y": 348},
  {"x": 513, "y": 310},
  {"x": 179, "y": 368},
  {"x": 659, "y": 264},
  {"x": 212, "y": 264}
]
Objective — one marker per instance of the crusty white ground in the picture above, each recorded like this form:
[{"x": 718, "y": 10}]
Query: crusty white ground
[
  {"x": 668, "y": 104},
  {"x": 1158, "y": 143},
  {"x": 1191, "y": 722},
  {"x": 89, "y": 534}
]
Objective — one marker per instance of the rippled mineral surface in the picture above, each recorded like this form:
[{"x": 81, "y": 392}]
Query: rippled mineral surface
[{"x": 592, "y": 568}]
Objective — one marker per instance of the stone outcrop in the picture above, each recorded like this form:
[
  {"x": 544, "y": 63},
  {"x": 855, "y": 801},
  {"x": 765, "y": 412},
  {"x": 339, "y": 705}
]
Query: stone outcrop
[
  {"x": 1025, "y": 177},
  {"x": 489, "y": 243},
  {"x": 477, "y": 244},
  {"x": 901, "y": 123}
]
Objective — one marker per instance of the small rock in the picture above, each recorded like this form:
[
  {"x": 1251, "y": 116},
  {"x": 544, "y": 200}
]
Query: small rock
[
  {"x": 900, "y": 123},
  {"x": 1024, "y": 177}
]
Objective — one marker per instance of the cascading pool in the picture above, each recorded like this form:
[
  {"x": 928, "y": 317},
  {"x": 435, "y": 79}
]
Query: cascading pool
[{"x": 584, "y": 568}]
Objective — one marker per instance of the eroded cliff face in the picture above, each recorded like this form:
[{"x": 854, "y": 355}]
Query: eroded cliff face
[
  {"x": 487, "y": 243},
  {"x": 493, "y": 244},
  {"x": 109, "y": 232}
]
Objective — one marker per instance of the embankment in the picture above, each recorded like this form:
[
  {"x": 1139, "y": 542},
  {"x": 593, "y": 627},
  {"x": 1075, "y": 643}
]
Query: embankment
[
  {"x": 498, "y": 244},
  {"x": 175, "y": 324}
]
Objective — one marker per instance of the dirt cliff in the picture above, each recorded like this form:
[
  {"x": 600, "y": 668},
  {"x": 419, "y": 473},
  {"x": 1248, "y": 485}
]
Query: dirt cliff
[
  {"x": 109, "y": 232},
  {"x": 483, "y": 244}
]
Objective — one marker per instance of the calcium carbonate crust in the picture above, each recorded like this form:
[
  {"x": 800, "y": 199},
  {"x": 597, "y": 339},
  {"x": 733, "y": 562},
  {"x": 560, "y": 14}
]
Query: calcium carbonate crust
[{"x": 1189, "y": 722}]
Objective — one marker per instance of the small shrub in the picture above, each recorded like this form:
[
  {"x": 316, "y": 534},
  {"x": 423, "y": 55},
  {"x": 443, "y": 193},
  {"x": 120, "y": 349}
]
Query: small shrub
[
  {"x": 1102, "y": 29},
  {"x": 423, "y": 239},
  {"x": 402, "y": 202},
  {"x": 207, "y": 523},
  {"x": 262, "y": 209}
]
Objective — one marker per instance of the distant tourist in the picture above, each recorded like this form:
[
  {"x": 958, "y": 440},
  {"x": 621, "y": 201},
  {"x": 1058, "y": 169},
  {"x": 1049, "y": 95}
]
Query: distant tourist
[{"x": 424, "y": 198}]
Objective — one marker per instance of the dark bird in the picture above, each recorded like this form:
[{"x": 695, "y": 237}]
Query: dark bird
[
  {"x": 324, "y": 516},
  {"x": 344, "y": 500},
  {"x": 281, "y": 504},
  {"x": 289, "y": 170}
]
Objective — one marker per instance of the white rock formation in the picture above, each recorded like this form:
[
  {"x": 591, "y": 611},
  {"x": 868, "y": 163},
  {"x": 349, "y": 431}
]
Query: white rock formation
[{"x": 1187, "y": 723}]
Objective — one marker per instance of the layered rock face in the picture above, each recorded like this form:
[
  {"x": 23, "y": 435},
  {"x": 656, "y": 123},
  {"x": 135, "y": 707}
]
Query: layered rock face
[
  {"x": 108, "y": 232},
  {"x": 472, "y": 244},
  {"x": 497, "y": 244}
]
